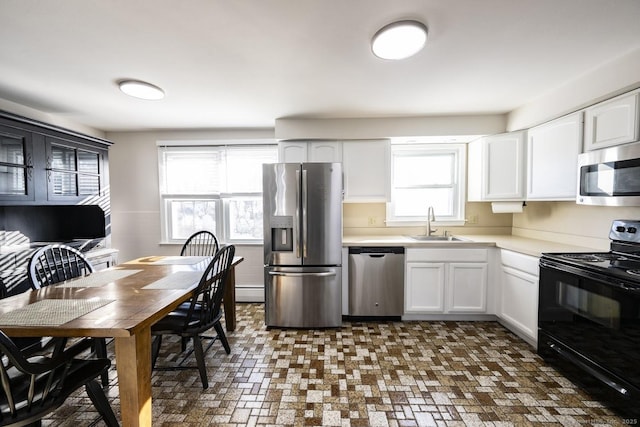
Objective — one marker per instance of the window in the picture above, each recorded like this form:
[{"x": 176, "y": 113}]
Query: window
[
  {"x": 215, "y": 188},
  {"x": 424, "y": 175}
]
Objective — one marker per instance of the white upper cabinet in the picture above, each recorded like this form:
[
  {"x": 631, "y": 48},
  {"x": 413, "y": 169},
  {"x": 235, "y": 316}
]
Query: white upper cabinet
[
  {"x": 292, "y": 151},
  {"x": 366, "y": 170},
  {"x": 325, "y": 151},
  {"x": 552, "y": 158},
  {"x": 496, "y": 167},
  {"x": 612, "y": 122},
  {"x": 309, "y": 151}
]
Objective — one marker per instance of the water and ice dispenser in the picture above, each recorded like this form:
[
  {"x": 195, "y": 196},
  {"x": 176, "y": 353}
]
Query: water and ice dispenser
[{"x": 282, "y": 233}]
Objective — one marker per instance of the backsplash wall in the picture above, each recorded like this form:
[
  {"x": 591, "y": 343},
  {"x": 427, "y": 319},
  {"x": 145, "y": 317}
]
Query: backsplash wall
[
  {"x": 369, "y": 219},
  {"x": 568, "y": 222},
  {"x": 563, "y": 222}
]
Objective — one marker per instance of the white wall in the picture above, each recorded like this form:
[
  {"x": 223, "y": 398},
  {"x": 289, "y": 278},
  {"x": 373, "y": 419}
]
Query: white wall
[
  {"x": 135, "y": 200},
  {"x": 51, "y": 119},
  {"x": 606, "y": 81}
]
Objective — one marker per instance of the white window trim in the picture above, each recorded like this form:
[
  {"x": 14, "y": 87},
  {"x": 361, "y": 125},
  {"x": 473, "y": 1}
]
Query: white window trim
[
  {"x": 460, "y": 151},
  {"x": 223, "y": 231},
  {"x": 165, "y": 213}
]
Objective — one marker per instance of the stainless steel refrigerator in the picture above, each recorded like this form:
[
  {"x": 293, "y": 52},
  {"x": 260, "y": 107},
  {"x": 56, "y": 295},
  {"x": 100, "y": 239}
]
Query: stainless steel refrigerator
[{"x": 302, "y": 205}]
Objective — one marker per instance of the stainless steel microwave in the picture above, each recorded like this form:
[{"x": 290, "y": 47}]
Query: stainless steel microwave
[{"x": 610, "y": 176}]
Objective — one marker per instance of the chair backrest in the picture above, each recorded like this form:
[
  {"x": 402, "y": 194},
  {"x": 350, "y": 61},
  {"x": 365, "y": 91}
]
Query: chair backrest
[
  {"x": 207, "y": 298},
  {"x": 56, "y": 263},
  {"x": 32, "y": 388},
  {"x": 201, "y": 243}
]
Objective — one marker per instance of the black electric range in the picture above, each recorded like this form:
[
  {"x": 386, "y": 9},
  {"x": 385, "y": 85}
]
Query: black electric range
[{"x": 589, "y": 314}]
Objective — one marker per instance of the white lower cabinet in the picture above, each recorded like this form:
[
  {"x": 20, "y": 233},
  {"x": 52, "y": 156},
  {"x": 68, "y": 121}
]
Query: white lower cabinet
[
  {"x": 424, "y": 288},
  {"x": 467, "y": 287},
  {"x": 518, "y": 295},
  {"x": 443, "y": 281}
]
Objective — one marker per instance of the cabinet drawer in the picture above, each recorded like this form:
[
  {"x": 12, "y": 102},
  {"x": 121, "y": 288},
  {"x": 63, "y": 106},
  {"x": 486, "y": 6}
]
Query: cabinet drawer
[
  {"x": 526, "y": 263},
  {"x": 446, "y": 255}
]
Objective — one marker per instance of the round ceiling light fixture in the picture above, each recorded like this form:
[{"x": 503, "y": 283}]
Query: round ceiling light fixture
[
  {"x": 140, "y": 89},
  {"x": 399, "y": 40}
]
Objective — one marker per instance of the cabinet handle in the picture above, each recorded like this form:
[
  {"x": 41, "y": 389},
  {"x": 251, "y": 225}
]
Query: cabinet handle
[
  {"x": 29, "y": 165},
  {"x": 48, "y": 169}
]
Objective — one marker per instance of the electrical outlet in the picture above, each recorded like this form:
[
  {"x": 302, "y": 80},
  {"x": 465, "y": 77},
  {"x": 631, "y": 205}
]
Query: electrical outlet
[
  {"x": 473, "y": 219},
  {"x": 372, "y": 220}
]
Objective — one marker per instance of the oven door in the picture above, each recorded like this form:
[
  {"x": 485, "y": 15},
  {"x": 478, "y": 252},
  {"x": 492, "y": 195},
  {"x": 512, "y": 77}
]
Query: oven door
[{"x": 593, "y": 322}]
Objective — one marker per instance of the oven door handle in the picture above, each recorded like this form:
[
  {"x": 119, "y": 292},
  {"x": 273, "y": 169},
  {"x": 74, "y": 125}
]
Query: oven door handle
[
  {"x": 617, "y": 283},
  {"x": 617, "y": 387}
]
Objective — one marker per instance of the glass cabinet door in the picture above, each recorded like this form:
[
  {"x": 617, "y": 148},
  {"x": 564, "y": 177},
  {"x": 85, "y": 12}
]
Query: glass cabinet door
[
  {"x": 63, "y": 171},
  {"x": 88, "y": 173},
  {"x": 73, "y": 172},
  {"x": 15, "y": 165}
]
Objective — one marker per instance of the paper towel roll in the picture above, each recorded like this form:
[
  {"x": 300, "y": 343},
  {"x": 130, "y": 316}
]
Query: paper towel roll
[{"x": 506, "y": 207}]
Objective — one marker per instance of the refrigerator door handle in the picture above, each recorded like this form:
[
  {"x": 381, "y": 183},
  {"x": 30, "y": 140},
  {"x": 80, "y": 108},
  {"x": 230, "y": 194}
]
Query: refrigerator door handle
[
  {"x": 304, "y": 213},
  {"x": 297, "y": 222},
  {"x": 317, "y": 274}
]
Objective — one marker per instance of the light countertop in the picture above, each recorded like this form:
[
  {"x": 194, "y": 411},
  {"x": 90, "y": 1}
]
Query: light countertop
[{"x": 528, "y": 246}]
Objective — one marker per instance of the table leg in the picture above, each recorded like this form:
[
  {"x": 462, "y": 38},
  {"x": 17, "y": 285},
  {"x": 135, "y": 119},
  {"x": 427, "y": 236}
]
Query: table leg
[
  {"x": 229, "y": 300},
  {"x": 133, "y": 363}
]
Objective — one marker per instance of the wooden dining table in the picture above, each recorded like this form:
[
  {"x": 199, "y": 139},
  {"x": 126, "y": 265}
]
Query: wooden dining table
[{"x": 120, "y": 302}]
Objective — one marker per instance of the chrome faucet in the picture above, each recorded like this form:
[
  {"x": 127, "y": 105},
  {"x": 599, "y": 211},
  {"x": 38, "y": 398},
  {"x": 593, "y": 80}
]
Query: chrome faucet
[{"x": 430, "y": 217}]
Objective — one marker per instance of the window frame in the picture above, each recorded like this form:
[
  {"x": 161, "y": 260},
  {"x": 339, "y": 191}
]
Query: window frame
[
  {"x": 459, "y": 152},
  {"x": 220, "y": 198}
]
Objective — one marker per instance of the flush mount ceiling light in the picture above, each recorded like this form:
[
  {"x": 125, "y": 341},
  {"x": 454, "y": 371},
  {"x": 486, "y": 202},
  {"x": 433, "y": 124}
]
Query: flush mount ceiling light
[
  {"x": 140, "y": 89},
  {"x": 399, "y": 40}
]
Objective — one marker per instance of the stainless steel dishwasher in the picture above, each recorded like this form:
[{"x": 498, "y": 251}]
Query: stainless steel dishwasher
[{"x": 376, "y": 281}]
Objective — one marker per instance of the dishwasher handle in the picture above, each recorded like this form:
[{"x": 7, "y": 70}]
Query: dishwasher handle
[{"x": 375, "y": 251}]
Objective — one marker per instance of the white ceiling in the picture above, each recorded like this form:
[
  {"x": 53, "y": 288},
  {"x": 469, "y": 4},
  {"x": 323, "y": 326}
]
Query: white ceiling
[{"x": 244, "y": 63}]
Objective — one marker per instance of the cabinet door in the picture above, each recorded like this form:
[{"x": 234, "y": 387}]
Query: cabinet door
[
  {"x": 612, "y": 122},
  {"x": 16, "y": 165},
  {"x": 496, "y": 167},
  {"x": 467, "y": 288},
  {"x": 553, "y": 159},
  {"x": 292, "y": 151},
  {"x": 519, "y": 301},
  {"x": 504, "y": 167},
  {"x": 424, "y": 287},
  {"x": 366, "y": 170},
  {"x": 325, "y": 151},
  {"x": 73, "y": 172}
]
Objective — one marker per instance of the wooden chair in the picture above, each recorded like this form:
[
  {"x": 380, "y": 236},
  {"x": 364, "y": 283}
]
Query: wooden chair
[
  {"x": 34, "y": 387},
  {"x": 201, "y": 243},
  {"x": 53, "y": 264},
  {"x": 199, "y": 315}
]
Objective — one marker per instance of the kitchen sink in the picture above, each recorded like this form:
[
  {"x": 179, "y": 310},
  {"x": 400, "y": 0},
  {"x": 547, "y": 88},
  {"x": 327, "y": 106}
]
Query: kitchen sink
[{"x": 436, "y": 238}]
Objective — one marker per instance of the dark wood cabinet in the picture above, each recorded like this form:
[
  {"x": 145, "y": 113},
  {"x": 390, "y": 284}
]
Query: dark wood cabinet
[
  {"x": 41, "y": 164},
  {"x": 74, "y": 172},
  {"x": 16, "y": 165},
  {"x": 53, "y": 188}
]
